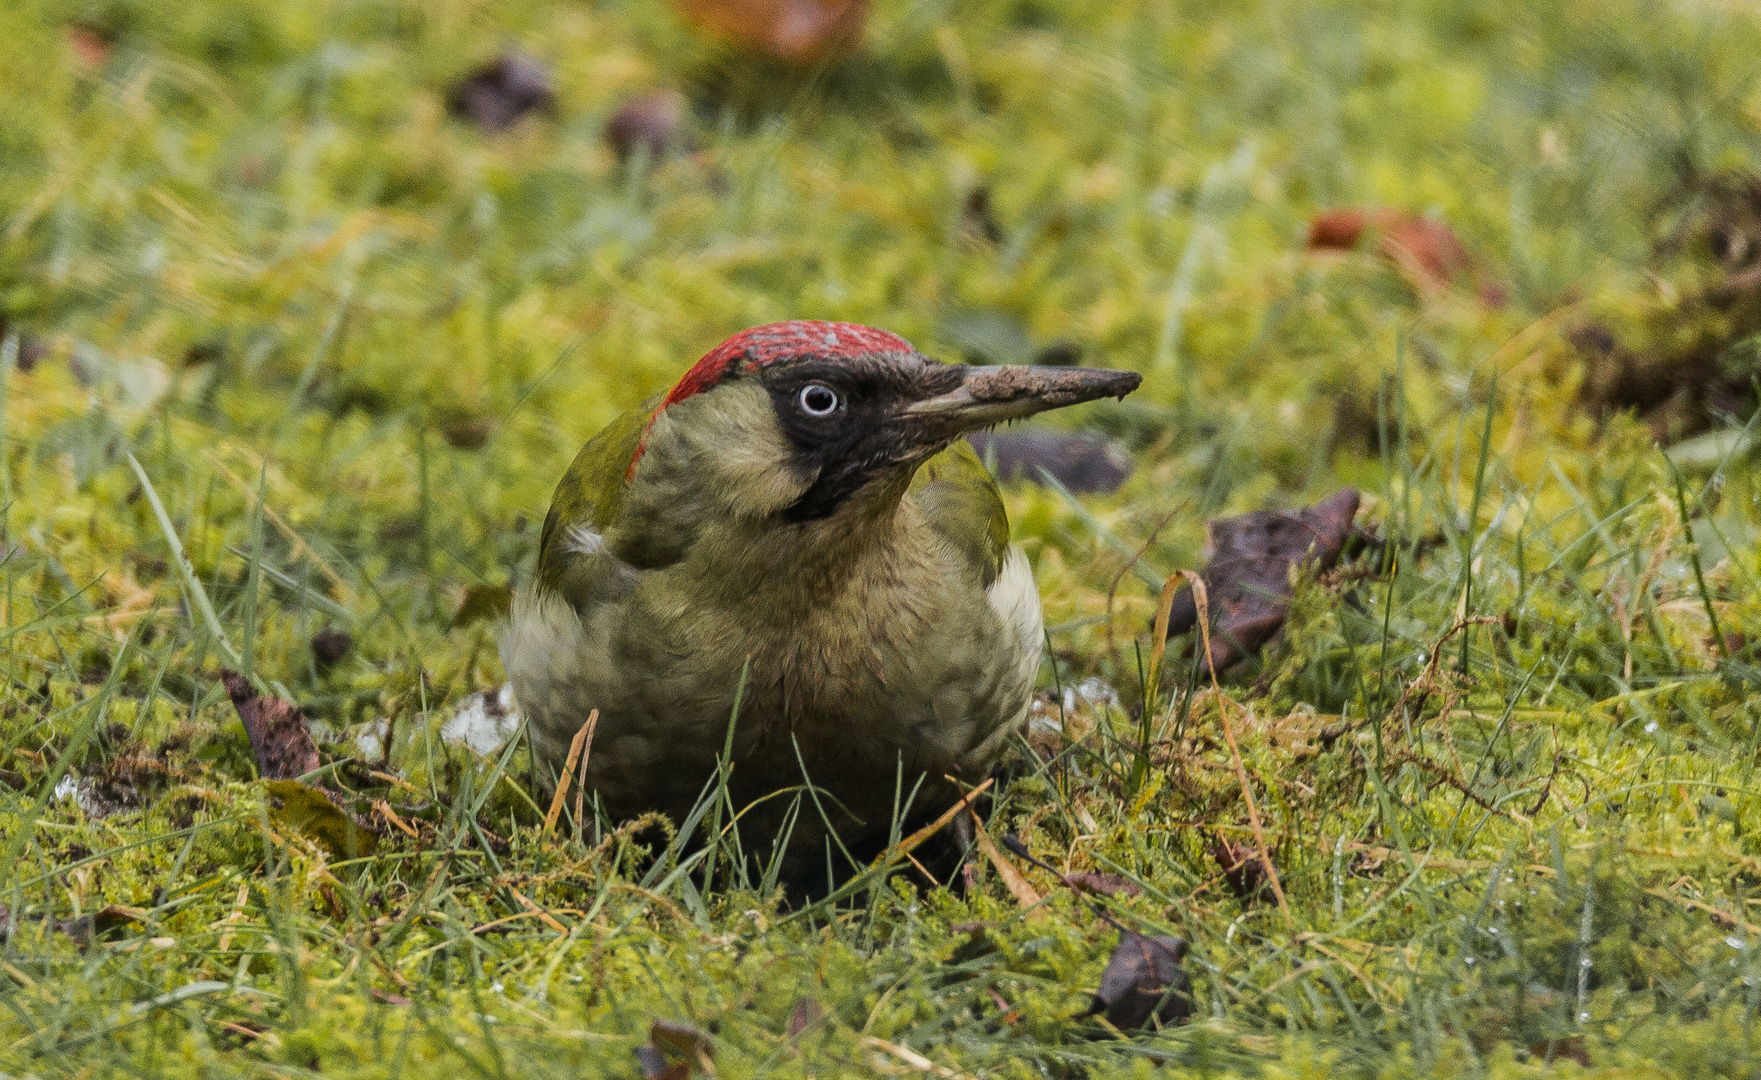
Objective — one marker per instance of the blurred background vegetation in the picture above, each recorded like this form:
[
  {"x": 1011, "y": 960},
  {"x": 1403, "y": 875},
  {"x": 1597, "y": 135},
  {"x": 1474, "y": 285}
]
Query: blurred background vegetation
[{"x": 352, "y": 281}]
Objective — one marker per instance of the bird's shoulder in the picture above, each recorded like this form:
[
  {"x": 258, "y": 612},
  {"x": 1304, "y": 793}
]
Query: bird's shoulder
[
  {"x": 590, "y": 492},
  {"x": 963, "y": 507}
]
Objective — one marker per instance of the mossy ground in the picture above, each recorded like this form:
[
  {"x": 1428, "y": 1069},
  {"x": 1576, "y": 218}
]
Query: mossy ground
[{"x": 243, "y": 242}]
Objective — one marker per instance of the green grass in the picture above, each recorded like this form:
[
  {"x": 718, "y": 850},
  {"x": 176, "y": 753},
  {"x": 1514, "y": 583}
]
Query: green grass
[{"x": 1509, "y": 786}]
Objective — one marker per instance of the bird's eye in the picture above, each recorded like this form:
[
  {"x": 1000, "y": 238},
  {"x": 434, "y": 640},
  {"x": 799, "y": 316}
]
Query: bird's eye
[{"x": 818, "y": 400}]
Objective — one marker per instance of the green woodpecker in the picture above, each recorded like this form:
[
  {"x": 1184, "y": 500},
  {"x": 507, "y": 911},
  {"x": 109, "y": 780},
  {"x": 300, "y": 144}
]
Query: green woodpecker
[{"x": 800, "y": 507}]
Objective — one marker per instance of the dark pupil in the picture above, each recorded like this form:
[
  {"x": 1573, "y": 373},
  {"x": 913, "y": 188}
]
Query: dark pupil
[{"x": 819, "y": 399}]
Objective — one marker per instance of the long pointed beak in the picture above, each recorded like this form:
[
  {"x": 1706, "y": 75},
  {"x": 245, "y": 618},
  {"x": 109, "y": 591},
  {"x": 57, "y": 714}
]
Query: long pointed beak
[{"x": 991, "y": 395}]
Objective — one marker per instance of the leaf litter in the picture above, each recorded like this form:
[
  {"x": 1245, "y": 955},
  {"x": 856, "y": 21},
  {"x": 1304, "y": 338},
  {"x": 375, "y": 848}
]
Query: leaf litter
[{"x": 1505, "y": 782}]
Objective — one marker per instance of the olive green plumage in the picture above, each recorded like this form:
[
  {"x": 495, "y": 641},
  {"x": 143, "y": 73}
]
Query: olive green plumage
[{"x": 889, "y": 633}]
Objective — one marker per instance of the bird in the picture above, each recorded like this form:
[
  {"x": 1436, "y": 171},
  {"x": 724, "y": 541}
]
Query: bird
[{"x": 793, "y": 573}]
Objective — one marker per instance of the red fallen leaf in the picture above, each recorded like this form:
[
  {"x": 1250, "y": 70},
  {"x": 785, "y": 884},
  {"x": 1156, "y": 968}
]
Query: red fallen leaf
[
  {"x": 1337, "y": 230},
  {"x": 1247, "y": 577},
  {"x": 803, "y": 32},
  {"x": 277, "y": 728},
  {"x": 1425, "y": 250},
  {"x": 1428, "y": 252},
  {"x": 90, "y": 47}
]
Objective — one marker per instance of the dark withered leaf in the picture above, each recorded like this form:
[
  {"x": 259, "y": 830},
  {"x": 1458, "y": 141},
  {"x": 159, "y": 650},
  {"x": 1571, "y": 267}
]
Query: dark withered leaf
[
  {"x": 468, "y": 432},
  {"x": 1082, "y": 461},
  {"x": 1247, "y": 577},
  {"x": 483, "y": 603},
  {"x": 680, "y": 1038},
  {"x": 1241, "y": 867},
  {"x": 311, "y": 813},
  {"x": 93, "y": 926},
  {"x": 277, "y": 728},
  {"x": 1144, "y": 981},
  {"x": 1091, "y": 881},
  {"x": 806, "y": 1013},
  {"x": 1570, "y": 1048},
  {"x": 32, "y": 350},
  {"x": 329, "y": 646},
  {"x": 496, "y": 95},
  {"x": 653, "y": 124},
  {"x": 654, "y": 1065},
  {"x": 978, "y": 219}
]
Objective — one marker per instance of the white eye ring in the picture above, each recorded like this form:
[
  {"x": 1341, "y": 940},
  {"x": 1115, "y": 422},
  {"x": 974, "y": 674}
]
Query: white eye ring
[{"x": 818, "y": 400}]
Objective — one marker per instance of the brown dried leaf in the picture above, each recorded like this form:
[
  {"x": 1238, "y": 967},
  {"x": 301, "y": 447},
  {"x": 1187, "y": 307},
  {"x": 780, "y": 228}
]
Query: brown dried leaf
[
  {"x": 674, "y": 1039},
  {"x": 1144, "y": 981},
  {"x": 1241, "y": 867},
  {"x": 802, "y": 32},
  {"x": 686, "y": 1040},
  {"x": 1570, "y": 1048},
  {"x": 1247, "y": 577},
  {"x": 283, "y": 746}
]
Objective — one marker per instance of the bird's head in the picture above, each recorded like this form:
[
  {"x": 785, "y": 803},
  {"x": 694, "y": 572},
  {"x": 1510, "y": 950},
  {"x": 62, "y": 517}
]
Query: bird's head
[{"x": 796, "y": 420}]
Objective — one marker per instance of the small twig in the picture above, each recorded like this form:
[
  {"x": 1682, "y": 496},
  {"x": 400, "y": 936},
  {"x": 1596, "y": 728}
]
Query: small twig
[
  {"x": 1017, "y": 885},
  {"x": 1016, "y": 847},
  {"x": 916, "y": 839},
  {"x": 384, "y": 810},
  {"x": 912, "y": 1058},
  {"x": 1202, "y": 602},
  {"x": 1548, "y": 790},
  {"x": 578, "y": 751},
  {"x": 1457, "y": 783}
]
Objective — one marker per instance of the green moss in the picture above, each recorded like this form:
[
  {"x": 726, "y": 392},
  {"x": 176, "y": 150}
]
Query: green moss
[{"x": 250, "y": 247}]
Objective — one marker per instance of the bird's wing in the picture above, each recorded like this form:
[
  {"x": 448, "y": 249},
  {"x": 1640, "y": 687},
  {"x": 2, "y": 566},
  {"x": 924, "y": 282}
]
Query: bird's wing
[
  {"x": 590, "y": 492},
  {"x": 963, "y": 506}
]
